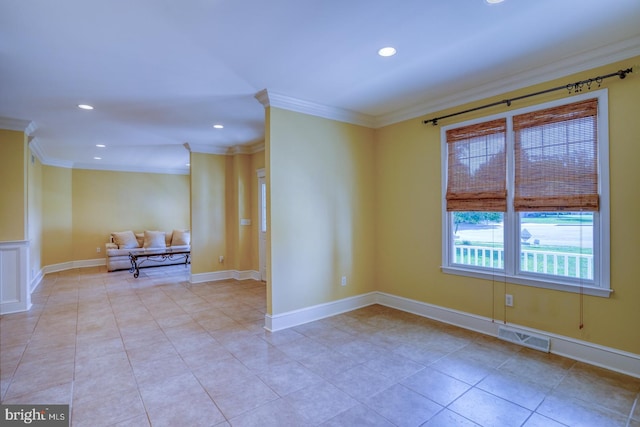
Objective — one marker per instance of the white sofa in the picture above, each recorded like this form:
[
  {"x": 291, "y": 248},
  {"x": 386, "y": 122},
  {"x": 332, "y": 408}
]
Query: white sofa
[{"x": 125, "y": 242}]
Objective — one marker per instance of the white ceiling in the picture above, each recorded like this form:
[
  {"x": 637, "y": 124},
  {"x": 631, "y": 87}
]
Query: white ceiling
[{"x": 160, "y": 73}]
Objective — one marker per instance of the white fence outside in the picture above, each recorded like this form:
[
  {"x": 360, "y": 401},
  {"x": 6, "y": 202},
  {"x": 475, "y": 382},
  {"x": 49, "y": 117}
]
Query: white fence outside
[{"x": 555, "y": 263}]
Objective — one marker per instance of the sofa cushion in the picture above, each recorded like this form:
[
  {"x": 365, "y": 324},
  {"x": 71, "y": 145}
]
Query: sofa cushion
[
  {"x": 154, "y": 239},
  {"x": 125, "y": 239},
  {"x": 181, "y": 238}
]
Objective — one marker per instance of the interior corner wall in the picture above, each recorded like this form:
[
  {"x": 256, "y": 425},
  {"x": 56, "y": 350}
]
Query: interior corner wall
[
  {"x": 35, "y": 217},
  {"x": 208, "y": 212},
  {"x": 257, "y": 163},
  {"x": 321, "y": 210},
  {"x": 231, "y": 214},
  {"x": 246, "y": 225},
  {"x": 13, "y": 178},
  {"x": 57, "y": 215},
  {"x": 409, "y": 197}
]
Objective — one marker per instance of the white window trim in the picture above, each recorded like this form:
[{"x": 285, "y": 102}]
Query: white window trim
[{"x": 601, "y": 231}]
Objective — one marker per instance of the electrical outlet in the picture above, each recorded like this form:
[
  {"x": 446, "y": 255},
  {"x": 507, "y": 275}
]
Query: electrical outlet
[
  {"x": 508, "y": 300},
  {"x": 343, "y": 281},
  {"x": 221, "y": 259},
  {"x": 98, "y": 250}
]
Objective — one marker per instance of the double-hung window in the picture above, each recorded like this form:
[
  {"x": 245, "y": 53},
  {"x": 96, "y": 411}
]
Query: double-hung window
[{"x": 525, "y": 196}]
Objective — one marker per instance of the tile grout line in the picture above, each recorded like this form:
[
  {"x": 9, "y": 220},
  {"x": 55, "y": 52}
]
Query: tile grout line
[
  {"x": 135, "y": 379},
  {"x": 633, "y": 407}
]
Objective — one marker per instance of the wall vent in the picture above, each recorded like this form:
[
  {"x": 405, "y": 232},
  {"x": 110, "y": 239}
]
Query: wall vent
[{"x": 526, "y": 339}]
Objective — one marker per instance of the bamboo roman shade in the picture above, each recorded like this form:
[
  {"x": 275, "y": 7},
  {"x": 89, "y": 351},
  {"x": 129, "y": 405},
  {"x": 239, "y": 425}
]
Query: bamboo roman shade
[
  {"x": 556, "y": 158},
  {"x": 477, "y": 167}
]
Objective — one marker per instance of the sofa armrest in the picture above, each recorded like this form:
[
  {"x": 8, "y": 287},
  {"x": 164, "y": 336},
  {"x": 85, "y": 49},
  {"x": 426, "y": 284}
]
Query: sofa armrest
[{"x": 108, "y": 246}]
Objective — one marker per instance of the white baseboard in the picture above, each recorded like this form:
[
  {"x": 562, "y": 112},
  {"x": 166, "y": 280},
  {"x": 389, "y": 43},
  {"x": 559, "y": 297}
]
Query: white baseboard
[
  {"x": 583, "y": 351},
  {"x": 248, "y": 274},
  {"x": 215, "y": 276},
  {"x": 195, "y": 278},
  {"x": 309, "y": 314},
  {"x": 36, "y": 280},
  {"x": 54, "y": 268}
]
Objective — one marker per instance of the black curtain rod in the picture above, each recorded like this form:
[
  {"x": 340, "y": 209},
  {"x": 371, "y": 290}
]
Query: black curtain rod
[{"x": 571, "y": 87}]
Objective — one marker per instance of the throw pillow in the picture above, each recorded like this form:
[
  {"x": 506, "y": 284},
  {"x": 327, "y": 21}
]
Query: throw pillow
[
  {"x": 154, "y": 239},
  {"x": 181, "y": 237},
  {"x": 140, "y": 239},
  {"x": 125, "y": 239}
]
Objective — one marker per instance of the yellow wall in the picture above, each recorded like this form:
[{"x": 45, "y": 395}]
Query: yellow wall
[
  {"x": 267, "y": 180},
  {"x": 321, "y": 209},
  {"x": 208, "y": 212},
  {"x": 240, "y": 200},
  {"x": 34, "y": 216},
  {"x": 67, "y": 215},
  {"x": 13, "y": 181},
  {"x": 242, "y": 203},
  {"x": 57, "y": 215},
  {"x": 408, "y": 256},
  {"x": 105, "y": 201},
  {"x": 80, "y": 208},
  {"x": 257, "y": 163},
  {"x": 231, "y": 211}
]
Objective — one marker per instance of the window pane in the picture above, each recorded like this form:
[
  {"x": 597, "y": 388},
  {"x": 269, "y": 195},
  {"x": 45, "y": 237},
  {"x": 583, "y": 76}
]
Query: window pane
[
  {"x": 263, "y": 216},
  {"x": 557, "y": 243},
  {"x": 478, "y": 239}
]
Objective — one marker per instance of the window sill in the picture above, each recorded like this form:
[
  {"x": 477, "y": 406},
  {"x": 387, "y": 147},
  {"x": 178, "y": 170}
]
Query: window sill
[{"x": 528, "y": 281}]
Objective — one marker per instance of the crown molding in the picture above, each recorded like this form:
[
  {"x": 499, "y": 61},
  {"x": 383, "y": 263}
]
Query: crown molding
[
  {"x": 581, "y": 62},
  {"x": 247, "y": 148},
  {"x": 205, "y": 149},
  {"x": 255, "y": 147},
  {"x": 20, "y": 125},
  {"x": 37, "y": 150},
  {"x": 270, "y": 99},
  {"x": 136, "y": 169}
]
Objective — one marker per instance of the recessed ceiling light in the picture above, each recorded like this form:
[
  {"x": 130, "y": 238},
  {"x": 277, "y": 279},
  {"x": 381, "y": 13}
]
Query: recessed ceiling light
[
  {"x": 97, "y": 158},
  {"x": 85, "y": 106},
  {"x": 387, "y": 51},
  {"x": 218, "y": 126},
  {"x": 493, "y": 1},
  {"x": 100, "y": 145}
]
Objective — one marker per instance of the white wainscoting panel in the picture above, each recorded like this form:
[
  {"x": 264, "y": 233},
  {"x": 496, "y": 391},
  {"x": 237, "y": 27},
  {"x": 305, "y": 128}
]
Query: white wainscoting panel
[{"x": 14, "y": 277}]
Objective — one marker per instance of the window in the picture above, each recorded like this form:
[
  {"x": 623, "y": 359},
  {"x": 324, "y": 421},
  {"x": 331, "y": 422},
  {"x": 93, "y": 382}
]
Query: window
[
  {"x": 526, "y": 196},
  {"x": 263, "y": 206}
]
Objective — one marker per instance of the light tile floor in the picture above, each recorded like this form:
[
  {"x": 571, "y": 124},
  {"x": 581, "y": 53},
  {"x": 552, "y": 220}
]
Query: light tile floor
[{"x": 160, "y": 351}]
